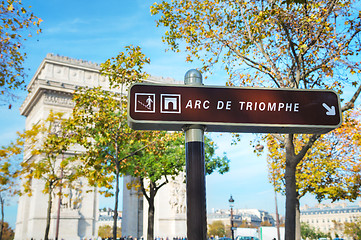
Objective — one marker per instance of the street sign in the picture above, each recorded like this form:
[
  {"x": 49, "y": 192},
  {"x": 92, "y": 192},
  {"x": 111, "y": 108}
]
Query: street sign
[{"x": 232, "y": 109}]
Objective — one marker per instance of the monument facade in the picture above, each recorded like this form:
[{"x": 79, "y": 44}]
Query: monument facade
[
  {"x": 170, "y": 210},
  {"x": 51, "y": 89}
]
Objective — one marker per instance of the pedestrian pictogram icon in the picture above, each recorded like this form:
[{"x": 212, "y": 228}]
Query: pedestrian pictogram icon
[{"x": 145, "y": 102}]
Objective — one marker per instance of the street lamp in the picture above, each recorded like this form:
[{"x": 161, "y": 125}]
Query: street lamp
[{"x": 231, "y": 204}]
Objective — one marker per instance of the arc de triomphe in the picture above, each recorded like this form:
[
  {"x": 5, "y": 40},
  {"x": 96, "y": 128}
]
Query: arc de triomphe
[{"x": 51, "y": 88}]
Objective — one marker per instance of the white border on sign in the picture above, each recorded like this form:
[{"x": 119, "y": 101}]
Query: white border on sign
[
  {"x": 143, "y": 104},
  {"x": 177, "y": 96}
]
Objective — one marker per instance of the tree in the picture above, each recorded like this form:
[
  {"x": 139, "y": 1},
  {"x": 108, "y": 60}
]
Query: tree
[
  {"x": 338, "y": 227},
  {"x": 266, "y": 224},
  {"x": 330, "y": 170},
  {"x": 47, "y": 142},
  {"x": 216, "y": 228},
  {"x": 106, "y": 231},
  {"x": 310, "y": 232},
  {"x": 353, "y": 229},
  {"x": 10, "y": 159},
  {"x": 15, "y": 19},
  {"x": 164, "y": 158},
  {"x": 282, "y": 44},
  {"x": 154, "y": 165},
  {"x": 246, "y": 224},
  {"x": 8, "y": 232},
  {"x": 99, "y": 121},
  {"x": 212, "y": 161}
]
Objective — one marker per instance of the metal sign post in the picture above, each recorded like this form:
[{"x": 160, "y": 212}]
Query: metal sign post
[{"x": 195, "y": 170}]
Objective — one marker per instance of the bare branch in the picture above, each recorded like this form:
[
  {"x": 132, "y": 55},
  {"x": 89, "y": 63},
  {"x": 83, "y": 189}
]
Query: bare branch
[
  {"x": 350, "y": 104},
  {"x": 141, "y": 180},
  {"x": 262, "y": 50},
  {"x": 249, "y": 62},
  {"x": 307, "y": 146},
  {"x": 333, "y": 56}
]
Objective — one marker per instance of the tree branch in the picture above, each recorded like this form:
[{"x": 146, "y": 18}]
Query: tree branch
[
  {"x": 332, "y": 57},
  {"x": 306, "y": 147},
  {"x": 291, "y": 46},
  {"x": 161, "y": 185},
  {"x": 262, "y": 50},
  {"x": 320, "y": 31},
  {"x": 141, "y": 180},
  {"x": 350, "y": 104},
  {"x": 249, "y": 62}
]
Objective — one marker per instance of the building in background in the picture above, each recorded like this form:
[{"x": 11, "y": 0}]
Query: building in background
[
  {"x": 328, "y": 217},
  {"x": 106, "y": 217},
  {"x": 248, "y": 223},
  {"x": 250, "y": 217}
]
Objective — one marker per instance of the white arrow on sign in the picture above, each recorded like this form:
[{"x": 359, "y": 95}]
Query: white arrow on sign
[{"x": 331, "y": 111}]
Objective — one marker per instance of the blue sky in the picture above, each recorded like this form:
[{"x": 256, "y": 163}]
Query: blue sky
[{"x": 98, "y": 30}]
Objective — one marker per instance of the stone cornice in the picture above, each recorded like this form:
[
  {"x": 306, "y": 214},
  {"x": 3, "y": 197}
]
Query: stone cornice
[
  {"x": 73, "y": 61},
  {"x": 66, "y": 62},
  {"x": 42, "y": 87},
  {"x": 64, "y": 75},
  {"x": 58, "y": 98}
]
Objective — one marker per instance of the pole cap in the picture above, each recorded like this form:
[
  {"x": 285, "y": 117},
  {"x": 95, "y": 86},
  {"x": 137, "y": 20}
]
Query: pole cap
[{"x": 193, "y": 77}]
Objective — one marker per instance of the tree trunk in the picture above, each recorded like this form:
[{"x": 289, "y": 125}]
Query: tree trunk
[
  {"x": 298, "y": 220},
  {"x": 291, "y": 193},
  {"x": 2, "y": 217},
  {"x": 151, "y": 210},
  {"x": 277, "y": 218},
  {"x": 291, "y": 198},
  {"x": 59, "y": 205},
  {"x": 50, "y": 203},
  {"x": 116, "y": 194},
  {"x": 153, "y": 189}
]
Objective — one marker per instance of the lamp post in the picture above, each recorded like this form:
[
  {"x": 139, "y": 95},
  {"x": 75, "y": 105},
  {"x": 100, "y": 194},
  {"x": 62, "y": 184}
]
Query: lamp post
[{"x": 231, "y": 204}]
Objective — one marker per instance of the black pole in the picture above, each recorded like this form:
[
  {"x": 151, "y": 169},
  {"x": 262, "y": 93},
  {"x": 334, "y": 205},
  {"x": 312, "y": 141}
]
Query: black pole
[
  {"x": 231, "y": 201},
  {"x": 232, "y": 230},
  {"x": 195, "y": 170}
]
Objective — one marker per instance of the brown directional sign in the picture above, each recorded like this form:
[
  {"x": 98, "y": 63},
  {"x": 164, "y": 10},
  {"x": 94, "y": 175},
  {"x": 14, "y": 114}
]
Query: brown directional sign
[{"x": 230, "y": 109}]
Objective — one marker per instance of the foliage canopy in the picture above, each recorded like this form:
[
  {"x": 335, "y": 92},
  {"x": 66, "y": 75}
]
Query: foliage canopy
[
  {"x": 15, "y": 20},
  {"x": 283, "y": 44},
  {"x": 330, "y": 170}
]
